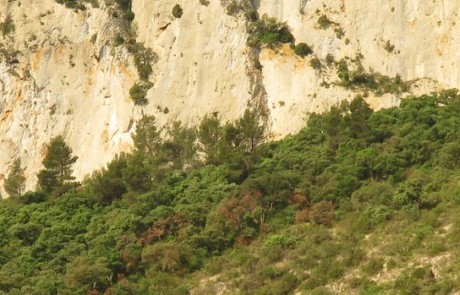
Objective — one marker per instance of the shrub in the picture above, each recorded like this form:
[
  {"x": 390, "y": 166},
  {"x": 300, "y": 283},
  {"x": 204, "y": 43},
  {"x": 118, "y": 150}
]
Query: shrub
[
  {"x": 449, "y": 155},
  {"x": 7, "y": 26},
  {"x": 301, "y": 216},
  {"x": 339, "y": 32},
  {"x": 177, "y": 11},
  {"x": 73, "y": 4},
  {"x": 378, "y": 83},
  {"x": 329, "y": 59},
  {"x": 118, "y": 40},
  {"x": 124, "y": 4},
  {"x": 373, "y": 267},
  {"x": 234, "y": 8},
  {"x": 129, "y": 15},
  {"x": 374, "y": 215},
  {"x": 14, "y": 183},
  {"x": 277, "y": 240},
  {"x": 138, "y": 92},
  {"x": 270, "y": 32},
  {"x": 143, "y": 59},
  {"x": 389, "y": 47},
  {"x": 298, "y": 198},
  {"x": 286, "y": 284},
  {"x": 324, "y": 22},
  {"x": 322, "y": 213},
  {"x": 123, "y": 8},
  {"x": 302, "y": 49},
  {"x": 34, "y": 197},
  {"x": 315, "y": 63},
  {"x": 251, "y": 14}
]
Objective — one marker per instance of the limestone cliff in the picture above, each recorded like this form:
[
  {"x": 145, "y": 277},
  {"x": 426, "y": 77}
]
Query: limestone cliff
[{"x": 61, "y": 73}]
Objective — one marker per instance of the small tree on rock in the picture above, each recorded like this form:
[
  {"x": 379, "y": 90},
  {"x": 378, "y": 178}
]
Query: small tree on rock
[{"x": 14, "y": 183}]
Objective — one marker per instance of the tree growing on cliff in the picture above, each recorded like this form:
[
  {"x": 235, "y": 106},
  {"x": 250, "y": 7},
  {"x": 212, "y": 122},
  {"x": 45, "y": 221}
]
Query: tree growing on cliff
[
  {"x": 210, "y": 133},
  {"x": 58, "y": 165},
  {"x": 14, "y": 183},
  {"x": 252, "y": 129},
  {"x": 147, "y": 137}
]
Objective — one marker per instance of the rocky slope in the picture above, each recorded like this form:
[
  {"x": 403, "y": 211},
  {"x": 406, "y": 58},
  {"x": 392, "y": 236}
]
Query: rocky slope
[{"x": 62, "y": 73}]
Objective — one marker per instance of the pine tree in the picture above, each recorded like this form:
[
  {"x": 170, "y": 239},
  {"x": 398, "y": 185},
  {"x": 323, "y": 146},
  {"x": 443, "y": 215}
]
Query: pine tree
[
  {"x": 252, "y": 130},
  {"x": 210, "y": 133},
  {"x": 147, "y": 137},
  {"x": 58, "y": 165},
  {"x": 15, "y": 182},
  {"x": 179, "y": 149}
]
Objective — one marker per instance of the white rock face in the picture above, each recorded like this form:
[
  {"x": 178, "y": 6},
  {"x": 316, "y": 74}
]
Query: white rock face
[
  {"x": 203, "y": 64},
  {"x": 68, "y": 78},
  {"x": 68, "y": 81},
  {"x": 424, "y": 34}
]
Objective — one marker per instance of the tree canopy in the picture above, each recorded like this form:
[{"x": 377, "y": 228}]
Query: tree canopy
[
  {"x": 58, "y": 163},
  {"x": 15, "y": 181},
  {"x": 355, "y": 196}
]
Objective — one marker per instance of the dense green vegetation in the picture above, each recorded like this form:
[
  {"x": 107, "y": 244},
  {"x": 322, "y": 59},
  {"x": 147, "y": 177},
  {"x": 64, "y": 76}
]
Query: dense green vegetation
[{"x": 369, "y": 200}]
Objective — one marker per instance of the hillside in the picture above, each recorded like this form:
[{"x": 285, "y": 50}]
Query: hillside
[
  {"x": 358, "y": 202},
  {"x": 68, "y": 67},
  {"x": 229, "y": 147}
]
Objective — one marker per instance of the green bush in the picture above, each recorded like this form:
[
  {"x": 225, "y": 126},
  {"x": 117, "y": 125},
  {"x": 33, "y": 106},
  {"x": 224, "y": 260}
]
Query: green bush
[
  {"x": 177, "y": 11},
  {"x": 129, "y": 15},
  {"x": 286, "y": 284},
  {"x": 373, "y": 267},
  {"x": 315, "y": 63},
  {"x": 302, "y": 49},
  {"x": 324, "y": 22},
  {"x": 138, "y": 92},
  {"x": 165, "y": 217},
  {"x": 118, "y": 40},
  {"x": 7, "y": 26},
  {"x": 233, "y": 8},
  {"x": 73, "y": 4},
  {"x": 268, "y": 31},
  {"x": 389, "y": 47},
  {"x": 124, "y": 4},
  {"x": 374, "y": 215},
  {"x": 122, "y": 8},
  {"x": 329, "y": 59},
  {"x": 449, "y": 155},
  {"x": 359, "y": 78},
  {"x": 143, "y": 59},
  {"x": 34, "y": 197},
  {"x": 277, "y": 240}
]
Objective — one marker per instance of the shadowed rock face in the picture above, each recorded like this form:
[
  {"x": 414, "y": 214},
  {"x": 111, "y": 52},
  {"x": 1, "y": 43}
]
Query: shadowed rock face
[{"x": 61, "y": 73}]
